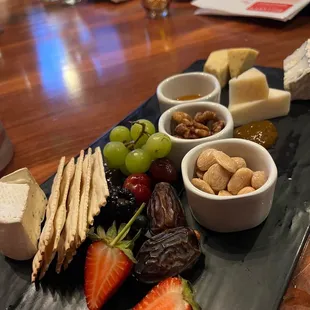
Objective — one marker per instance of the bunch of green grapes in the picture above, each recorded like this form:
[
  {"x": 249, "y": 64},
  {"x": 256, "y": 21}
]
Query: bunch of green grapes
[{"x": 132, "y": 151}]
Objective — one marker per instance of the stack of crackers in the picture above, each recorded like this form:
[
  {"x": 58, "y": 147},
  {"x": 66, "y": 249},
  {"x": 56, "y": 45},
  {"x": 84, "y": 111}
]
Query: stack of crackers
[{"x": 79, "y": 191}]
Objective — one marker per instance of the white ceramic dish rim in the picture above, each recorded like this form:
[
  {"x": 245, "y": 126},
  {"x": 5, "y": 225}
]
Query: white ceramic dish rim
[
  {"x": 166, "y": 117},
  {"x": 217, "y": 87},
  {"x": 271, "y": 178}
]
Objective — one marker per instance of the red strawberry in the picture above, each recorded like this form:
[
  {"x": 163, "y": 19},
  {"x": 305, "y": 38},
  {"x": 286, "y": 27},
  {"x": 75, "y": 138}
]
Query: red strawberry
[
  {"x": 108, "y": 263},
  {"x": 170, "y": 294}
]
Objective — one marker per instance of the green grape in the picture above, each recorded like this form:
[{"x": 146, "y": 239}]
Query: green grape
[
  {"x": 158, "y": 145},
  {"x": 120, "y": 133},
  {"x": 137, "y": 128},
  {"x": 144, "y": 148},
  {"x": 124, "y": 170},
  {"x": 138, "y": 161},
  {"x": 115, "y": 154}
]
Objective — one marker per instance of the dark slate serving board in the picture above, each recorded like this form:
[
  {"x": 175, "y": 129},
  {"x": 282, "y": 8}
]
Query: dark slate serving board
[{"x": 240, "y": 271}]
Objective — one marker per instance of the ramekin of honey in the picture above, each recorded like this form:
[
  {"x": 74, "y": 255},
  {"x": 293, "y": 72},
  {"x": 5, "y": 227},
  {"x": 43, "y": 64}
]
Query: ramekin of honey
[{"x": 188, "y": 88}]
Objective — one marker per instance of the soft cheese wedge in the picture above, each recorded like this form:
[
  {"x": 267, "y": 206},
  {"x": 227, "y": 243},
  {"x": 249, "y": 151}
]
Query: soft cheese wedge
[
  {"x": 277, "y": 104},
  {"x": 217, "y": 65},
  {"x": 297, "y": 72},
  {"x": 250, "y": 86},
  {"x": 22, "y": 209},
  {"x": 241, "y": 60}
]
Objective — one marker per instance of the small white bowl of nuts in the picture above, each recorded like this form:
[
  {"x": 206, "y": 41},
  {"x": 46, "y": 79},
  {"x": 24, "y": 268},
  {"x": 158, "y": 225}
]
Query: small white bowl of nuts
[
  {"x": 229, "y": 184},
  {"x": 191, "y": 124}
]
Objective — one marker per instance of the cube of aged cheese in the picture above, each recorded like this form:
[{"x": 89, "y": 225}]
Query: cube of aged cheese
[
  {"x": 241, "y": 60},
  {"x": 22, "y": 209},
  {"x": 297, "y": 72},
  {"x": 250, "y": 86},
  {"x": 277, "y": 104},
  {"x": 217, "y": 65}
]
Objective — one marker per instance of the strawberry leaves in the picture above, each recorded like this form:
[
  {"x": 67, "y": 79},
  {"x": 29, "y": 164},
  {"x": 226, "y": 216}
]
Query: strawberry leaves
[{"x": 115, "y": 238}]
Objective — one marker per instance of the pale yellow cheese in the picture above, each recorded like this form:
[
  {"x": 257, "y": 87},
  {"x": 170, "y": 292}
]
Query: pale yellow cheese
[
  {"x": 277, "y": 104},
  {"x": 241, "y": 60},
  {"x": 250, "y": 86},
  {"x": 217, "y": 65}
]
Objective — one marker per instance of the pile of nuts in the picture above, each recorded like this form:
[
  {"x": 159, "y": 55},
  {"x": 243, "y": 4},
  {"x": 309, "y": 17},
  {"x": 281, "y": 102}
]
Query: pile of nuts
[
  {"x": 204, "y": 124},
  {"x": 217, "y": 173}
]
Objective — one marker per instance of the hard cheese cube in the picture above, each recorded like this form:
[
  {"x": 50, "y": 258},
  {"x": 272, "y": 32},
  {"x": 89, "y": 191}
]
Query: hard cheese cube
[
  {"x": 22, "y": 209},
  {"x": 297, "y": 72},
  {"x": 241, "y": 60},
  {"x": 250, "y": 86},
  {"x": 277, "y": 104},
  {"x": 217, "y": 65}
]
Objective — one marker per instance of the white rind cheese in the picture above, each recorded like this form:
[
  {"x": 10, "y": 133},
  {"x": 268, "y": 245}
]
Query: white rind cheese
[
  {"x": 217, "y": 65},
  {"x": 277, "y": 104},
  {"x": 241, "y": 60},
  {"x": 297, "y": 72},
  {"x": 22, "y": 209},
  {"x": 250, "y": 86}
]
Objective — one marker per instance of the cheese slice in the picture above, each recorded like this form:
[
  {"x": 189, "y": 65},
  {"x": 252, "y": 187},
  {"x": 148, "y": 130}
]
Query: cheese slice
[
  {"x": 241, "y": 60},
  {"x": 217, "y": 65},
  {"x": 22, "y": 209},
  {"x": 250, "y": 86},
  {"x": 297, "y": 72},
  {"x": 277, "y": 104}
]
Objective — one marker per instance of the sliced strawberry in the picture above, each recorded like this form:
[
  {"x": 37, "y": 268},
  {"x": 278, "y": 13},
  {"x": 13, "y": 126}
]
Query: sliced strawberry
[
  {"x": 108, "y": 263},
  {"x": 106, "y": 269},
  {"x": 170, "y": 294}
]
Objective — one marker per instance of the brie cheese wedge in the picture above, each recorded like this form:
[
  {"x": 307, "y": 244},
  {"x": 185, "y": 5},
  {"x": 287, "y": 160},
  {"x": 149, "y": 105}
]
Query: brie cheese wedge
[
  {"x": 297, "y": 72},
  {"x": 22, "y": 210}
]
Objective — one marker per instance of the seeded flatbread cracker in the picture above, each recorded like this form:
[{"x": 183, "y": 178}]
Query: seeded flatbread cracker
[
  {"x": 84, "y": 202},
  {"x": 68, "y": 234},
  {"x": 48, "y": 228},
  {"x": 60, "y": 216}
]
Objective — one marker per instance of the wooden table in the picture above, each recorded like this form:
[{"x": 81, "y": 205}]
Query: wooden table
[{"x": 67, "y": 74}]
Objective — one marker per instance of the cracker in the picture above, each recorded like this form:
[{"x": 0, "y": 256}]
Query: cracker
[
  {"x": 98, "y": 187},
  {"x": 74, "y": 203},
  {"x": 48, "y": 229},
  {"x": 60, "y": 216},
  {"x": 69, "y": 232},
  {"x": 84, "y": 202}
]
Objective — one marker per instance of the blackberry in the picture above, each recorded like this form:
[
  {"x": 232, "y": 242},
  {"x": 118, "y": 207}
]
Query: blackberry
[
  {"x": 122, "y": 202},
  {"x": 114, "y": 176}
]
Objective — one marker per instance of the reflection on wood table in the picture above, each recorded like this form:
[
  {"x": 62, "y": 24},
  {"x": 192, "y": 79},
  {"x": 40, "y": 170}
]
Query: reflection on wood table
[{"x": 69, "y": 73}]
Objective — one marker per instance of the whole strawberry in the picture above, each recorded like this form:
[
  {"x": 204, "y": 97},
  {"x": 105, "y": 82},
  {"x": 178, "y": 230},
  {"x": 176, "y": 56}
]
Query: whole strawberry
[{"x": 108, "y": 263}]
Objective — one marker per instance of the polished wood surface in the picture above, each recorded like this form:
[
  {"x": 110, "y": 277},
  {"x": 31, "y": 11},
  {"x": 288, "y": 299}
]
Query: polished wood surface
[{"x": 67, "y": 74}]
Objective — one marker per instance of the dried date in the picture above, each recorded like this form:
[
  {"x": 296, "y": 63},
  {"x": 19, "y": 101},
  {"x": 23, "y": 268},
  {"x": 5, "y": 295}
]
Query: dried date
[
  {"x": 164, "y": 209},
  {"x": 167, "y": 254}
]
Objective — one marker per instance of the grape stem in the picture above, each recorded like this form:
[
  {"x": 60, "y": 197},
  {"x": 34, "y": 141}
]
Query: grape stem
[{"x": 130, "y": 145}]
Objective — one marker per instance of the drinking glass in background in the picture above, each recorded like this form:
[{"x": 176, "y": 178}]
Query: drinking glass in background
[
  {"x": 156, "y": 8},
  {"x": 6, "y": 148}
]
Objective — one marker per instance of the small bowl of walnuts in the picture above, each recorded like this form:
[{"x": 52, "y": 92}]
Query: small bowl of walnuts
[
  {"x": 191, "y": 124},
  {"x": 229, "y": 184}
]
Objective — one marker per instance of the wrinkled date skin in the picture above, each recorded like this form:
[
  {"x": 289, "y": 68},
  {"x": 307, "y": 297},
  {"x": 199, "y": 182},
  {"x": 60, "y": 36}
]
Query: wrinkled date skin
[
  {"x": 167, "y": 255},
  {"x": 164, "y": 209}
]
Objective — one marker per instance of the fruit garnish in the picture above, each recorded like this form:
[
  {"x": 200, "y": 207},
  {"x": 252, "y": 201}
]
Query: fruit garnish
[
  {"x": 138, "y": 161},
  {"x": 121, "y": 134},
  {"x": 138, "y": 178},
  {"x": 141, "y": 130},
  {"x": 109, "y": 262},
  {"x": 122, "y": 203},
  {"x": 141, "y": 192},
  {"x": 158, "y": 145},
  {"x": 163, "y": 170},
  {"x": 140, "y": 185},
  {"x": 115, "y": 154},
  {"x": 170, "y": 294}
]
